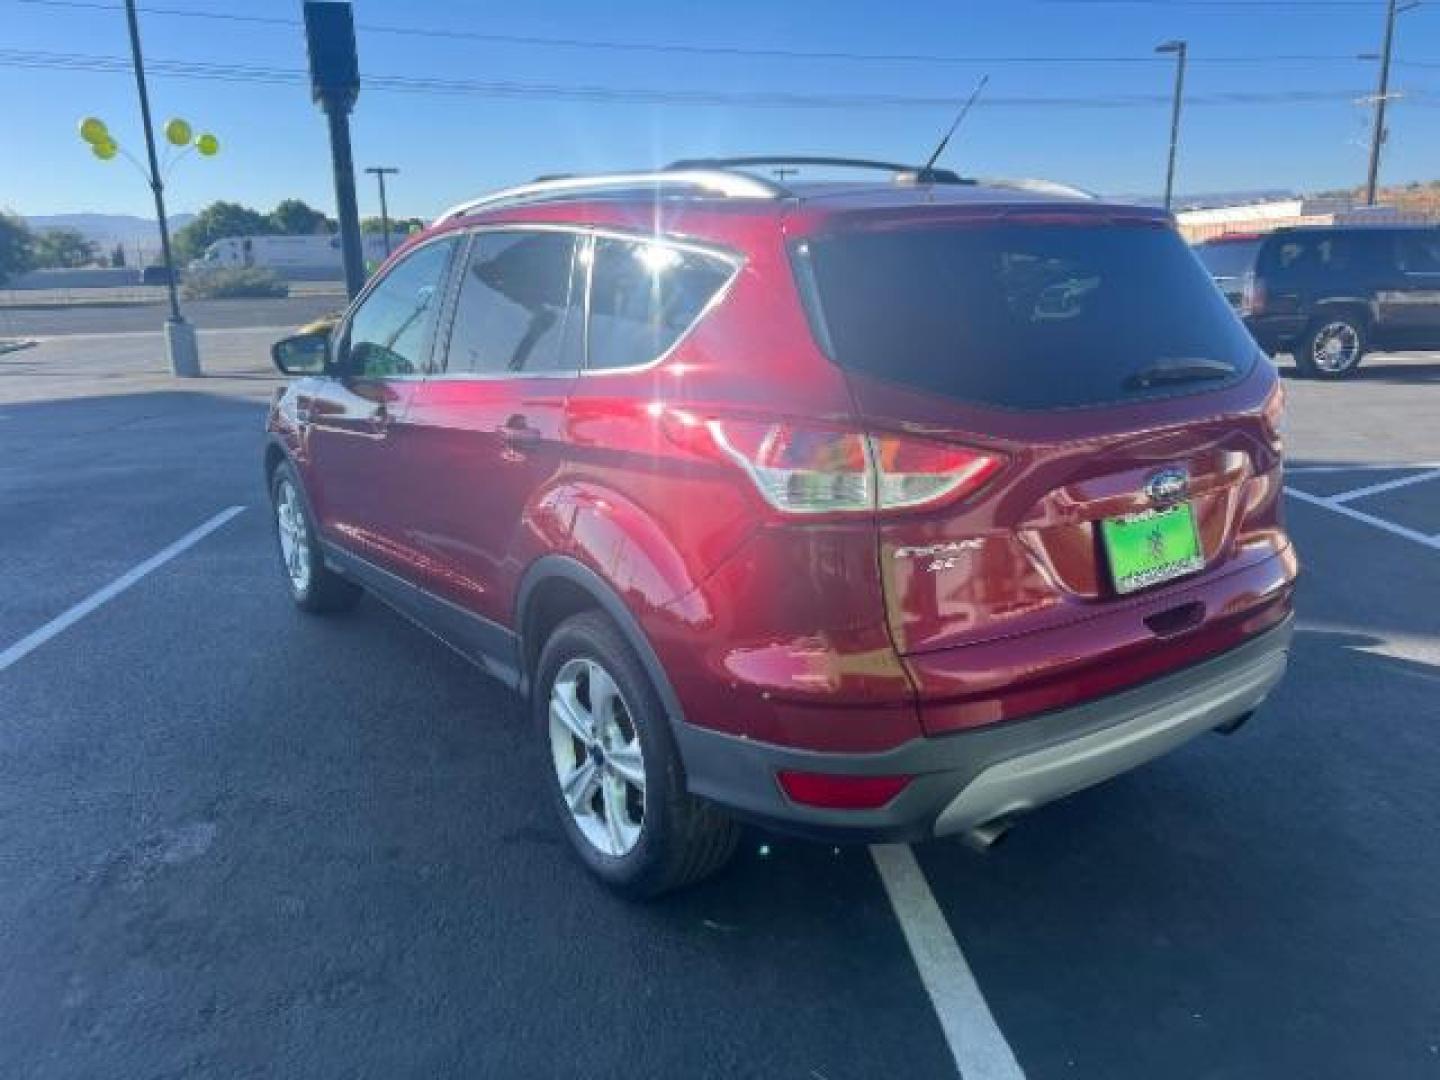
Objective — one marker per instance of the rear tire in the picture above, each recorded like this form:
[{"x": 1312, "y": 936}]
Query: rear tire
[
  {"x": 313, "y": 586},
  {"x": 602, "y": 721},
  {"x": 1332, "y": 347}
]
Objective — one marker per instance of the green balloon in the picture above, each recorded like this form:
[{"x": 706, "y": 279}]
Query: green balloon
[
  {"x": 93, "y": 130},
  {"x": 208, "y": 145},
  {"x": 178, "y": 132},
  {"x": 104, "y": 150}
]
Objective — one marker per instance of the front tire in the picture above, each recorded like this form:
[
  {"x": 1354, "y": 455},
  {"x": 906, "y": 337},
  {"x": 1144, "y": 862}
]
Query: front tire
[
  {"x": 614, "y": 774},
  {"x": 313, "y": 586},
  {"x": 1332, "y": 347}
]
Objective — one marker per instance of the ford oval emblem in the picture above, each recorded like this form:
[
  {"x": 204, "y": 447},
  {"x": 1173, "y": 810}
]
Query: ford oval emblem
[{"x": 1167, "y": 486}]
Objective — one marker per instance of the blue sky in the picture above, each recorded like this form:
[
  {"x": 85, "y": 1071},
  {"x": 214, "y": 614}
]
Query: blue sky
[{"x": 452, "y": 146}]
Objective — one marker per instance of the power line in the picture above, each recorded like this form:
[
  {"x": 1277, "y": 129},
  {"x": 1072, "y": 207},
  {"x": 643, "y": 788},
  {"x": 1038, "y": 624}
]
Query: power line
[
  {"x": 503, "y": 89},
  {"x": 683, "y": 48}
]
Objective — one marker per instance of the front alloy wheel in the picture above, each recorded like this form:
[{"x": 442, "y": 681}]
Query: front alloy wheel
[
  {"x": 597, "y": 757},
  {"x": 294, "y": 536}
]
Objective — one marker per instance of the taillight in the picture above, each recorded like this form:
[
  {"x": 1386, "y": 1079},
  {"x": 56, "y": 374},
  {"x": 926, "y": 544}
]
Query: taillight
[
  {"x": 1273, "y": 415},
  {"x": 1254, "y": 296},
  {"x": 805, "y": 470}
]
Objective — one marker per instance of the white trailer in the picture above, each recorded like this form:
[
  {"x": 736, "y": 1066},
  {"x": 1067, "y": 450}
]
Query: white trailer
[{"x": 295, "y": 257}]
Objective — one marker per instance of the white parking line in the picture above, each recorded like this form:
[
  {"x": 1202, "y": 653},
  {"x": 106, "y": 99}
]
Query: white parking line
[
  {"x": 1387, "y": 485},
  {"x": 1301, "y": 470},
  {"x": 976, "y": 1042},
  {"x": 62, "y": 622},
  {"x": 1431, "y": 542}
]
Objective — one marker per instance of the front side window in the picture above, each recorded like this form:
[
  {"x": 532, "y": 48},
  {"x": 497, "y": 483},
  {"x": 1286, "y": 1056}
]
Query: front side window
[
  {"x": 644, "y": 296},
  {"x": 519, "y": 306},
  {"x": 391, "y": 331}
]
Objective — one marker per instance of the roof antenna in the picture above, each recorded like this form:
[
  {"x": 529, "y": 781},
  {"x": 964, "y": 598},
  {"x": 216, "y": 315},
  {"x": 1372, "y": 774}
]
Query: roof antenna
[{"x": 925, "y": 174}]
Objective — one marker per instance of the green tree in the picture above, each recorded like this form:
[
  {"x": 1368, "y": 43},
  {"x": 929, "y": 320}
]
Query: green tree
[
  {"x": 215, "y": 222},
  {"x": 397, "y": 225},
  {"x": 293, "y": 217},
  {"x": 15, "y": 246},
  {"x": 63, "y": 249}
]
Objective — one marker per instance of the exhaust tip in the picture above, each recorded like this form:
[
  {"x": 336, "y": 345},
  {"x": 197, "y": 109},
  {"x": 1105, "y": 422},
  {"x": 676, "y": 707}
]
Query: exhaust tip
[
  {"x": 1230, "y": 727},
  {"x": 982, "y": 838}
]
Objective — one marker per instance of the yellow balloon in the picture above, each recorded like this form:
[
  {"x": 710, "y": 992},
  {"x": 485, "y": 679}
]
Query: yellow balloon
[
  {"x": 104, "y": 150},
  {"x": 93, "y": 130},
  {"x": 208, "y": 145},
  {"x": 178, "y": 132}
]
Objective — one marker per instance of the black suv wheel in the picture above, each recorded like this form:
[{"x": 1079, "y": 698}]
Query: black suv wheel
[{"x": 1332, "y": 347}]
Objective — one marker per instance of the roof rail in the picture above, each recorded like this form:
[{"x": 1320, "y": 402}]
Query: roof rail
[
  {"x": 713, "y": 182},
  {"x": 903, "y": 173},
  {"x": 1039, "y": 187}
]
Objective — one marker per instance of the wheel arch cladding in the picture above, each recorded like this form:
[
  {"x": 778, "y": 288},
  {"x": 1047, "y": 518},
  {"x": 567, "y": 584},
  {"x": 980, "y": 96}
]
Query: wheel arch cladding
[{"x": 556, "y": 587}]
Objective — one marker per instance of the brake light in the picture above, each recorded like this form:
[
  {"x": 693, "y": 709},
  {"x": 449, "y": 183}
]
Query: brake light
[
  {"x": 1273, "y": 414},
  {"x": 1254, "y": 296},
  {"x": 804, "y": 470}
]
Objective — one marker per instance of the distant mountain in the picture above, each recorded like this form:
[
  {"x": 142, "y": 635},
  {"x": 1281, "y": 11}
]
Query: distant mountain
[{"x": 109, "y": 229}]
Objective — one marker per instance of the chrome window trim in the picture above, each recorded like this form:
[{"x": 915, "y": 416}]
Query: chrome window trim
[{"x": 588, "y": 235}]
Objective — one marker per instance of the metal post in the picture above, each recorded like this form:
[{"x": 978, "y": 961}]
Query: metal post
[
  {"x": 380, "y": 171},
  {"x": 180, "y": 337},
  {"x": 1180, "y": 49},
  {"x": 346, "y": 210},
  {"x": 1378, "y": 136}
]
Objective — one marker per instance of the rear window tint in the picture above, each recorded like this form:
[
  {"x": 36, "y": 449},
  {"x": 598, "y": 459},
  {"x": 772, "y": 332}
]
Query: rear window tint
[
  {"x": 1325, "y": 253},
  {"x": 1022, "y": 316},
  {"x": 1228, "y": 258},
  {"x": 644, "y": 296}
]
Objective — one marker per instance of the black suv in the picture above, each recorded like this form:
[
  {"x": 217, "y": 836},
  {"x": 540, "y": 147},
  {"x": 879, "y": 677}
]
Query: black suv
[{"x": 1329, "y": 294}]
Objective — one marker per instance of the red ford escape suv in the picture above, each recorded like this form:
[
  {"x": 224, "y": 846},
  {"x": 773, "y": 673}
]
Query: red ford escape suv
[{"x": 866, "y": 510}]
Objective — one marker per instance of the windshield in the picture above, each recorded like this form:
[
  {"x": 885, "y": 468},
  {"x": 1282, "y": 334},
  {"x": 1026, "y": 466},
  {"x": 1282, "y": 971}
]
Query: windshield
[
  {"x": 1229, "y": 258},
  {"x": 1023, "y": 316}
]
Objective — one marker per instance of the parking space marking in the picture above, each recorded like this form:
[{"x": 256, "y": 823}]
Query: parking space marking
[
  {"x": 975, "y": 1040},
  {"x": 1301, "y": 470},
  {"x": 62, "y": 622},
  {"x": 1431, "y": 542},
  {"x": 1387, "y": 485}
]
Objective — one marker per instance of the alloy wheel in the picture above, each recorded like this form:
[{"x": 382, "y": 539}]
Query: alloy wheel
[
  {"x": 294, "y": 536},
  {"x": 598, "y": 761},
  {"x": 1336, "y": 347}
]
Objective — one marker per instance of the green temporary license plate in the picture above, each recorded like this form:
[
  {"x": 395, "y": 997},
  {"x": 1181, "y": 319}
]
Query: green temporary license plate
[{"x": 1152, "y": 547}]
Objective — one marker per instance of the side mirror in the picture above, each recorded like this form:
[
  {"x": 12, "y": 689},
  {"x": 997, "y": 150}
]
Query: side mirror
[{"x": 303, "y": 354}]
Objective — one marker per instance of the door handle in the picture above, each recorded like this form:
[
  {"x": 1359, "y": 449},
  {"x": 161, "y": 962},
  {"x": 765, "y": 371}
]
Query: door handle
[
  {"x": 518, "y": 433},
  {"x": 379, "y": 420}
]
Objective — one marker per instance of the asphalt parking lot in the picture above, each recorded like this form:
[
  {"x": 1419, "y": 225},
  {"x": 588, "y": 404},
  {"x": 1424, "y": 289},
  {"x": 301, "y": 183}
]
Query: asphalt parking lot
[{"x": 235, "y": 841}]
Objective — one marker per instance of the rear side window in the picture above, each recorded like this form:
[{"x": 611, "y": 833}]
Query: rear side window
[
  {"x": 1023, "y": 316},
  {"x": 1325, "y": 254},
  {"x": 518, "y": 311},
  {"x": 1228, "y": 258},
  {"x": 1420, "y": 253},
  {"x": 644, "y": 296}
]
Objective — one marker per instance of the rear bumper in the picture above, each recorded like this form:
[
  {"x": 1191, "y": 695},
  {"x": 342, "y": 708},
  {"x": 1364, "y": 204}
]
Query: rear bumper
[{"x": 973, "y": 778}]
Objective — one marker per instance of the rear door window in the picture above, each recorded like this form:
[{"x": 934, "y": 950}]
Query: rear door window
[
  {"x": 1023, "y": 316},
  {"x": 644, "y": 296},
  {"x": 519, "y": 310}
]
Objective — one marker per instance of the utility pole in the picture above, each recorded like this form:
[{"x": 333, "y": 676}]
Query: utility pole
[
  {"x": 1180, "y": 49},
  {"x": 179, "y": 335},
  {"x": 1382, "y": 96},
  {"x": 335, "y": 84},
  {"x": 380, "y": 172}
]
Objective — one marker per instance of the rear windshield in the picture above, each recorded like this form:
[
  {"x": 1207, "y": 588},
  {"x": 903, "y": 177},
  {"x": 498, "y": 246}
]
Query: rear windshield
[
  {"x": 1230, "y": 258},
  {"x": 1023, "y": 316}
]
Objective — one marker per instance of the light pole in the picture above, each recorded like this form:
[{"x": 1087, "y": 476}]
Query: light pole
[
  {"x": 180, "y": 344},
  {"x": 381, "y": 171},
  {"x": 1382, "y": 95},
  {"x": 1180, "y": 49}
]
